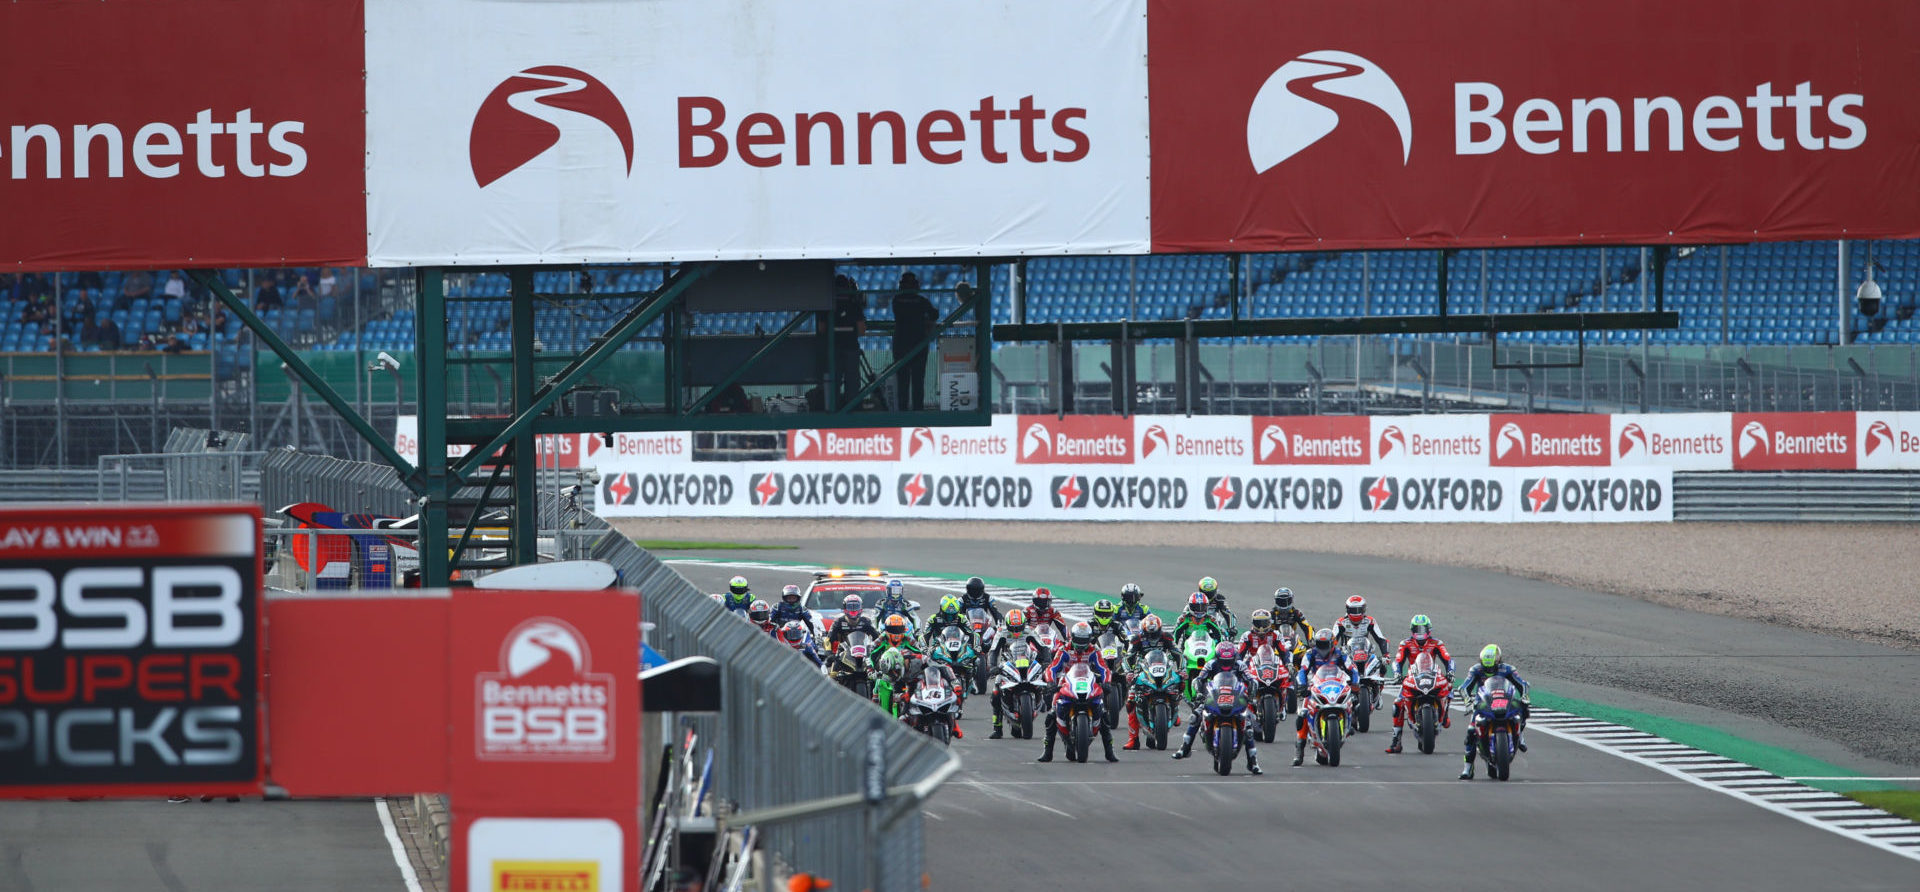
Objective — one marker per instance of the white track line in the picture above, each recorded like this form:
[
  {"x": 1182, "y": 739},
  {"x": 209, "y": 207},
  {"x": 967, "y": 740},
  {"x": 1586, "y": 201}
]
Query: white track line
[{"x": 399, "y": 851}]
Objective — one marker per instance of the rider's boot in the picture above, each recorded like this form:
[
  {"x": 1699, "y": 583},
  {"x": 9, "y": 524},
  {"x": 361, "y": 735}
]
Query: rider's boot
[
  {"x": 1394, "y": 746},
  {"x": 1052, "y": 731},
  {"x": 1133, "y": 732},
  {"x": 957, "y": 733},
  {"x": 1106, "y": 742},
  {"x": 1466, "y": 773},
  {"x": 996, "y": 735},
  {"x": 1186, "y": 743},
  {"x": 1253, "y": 758},
  {"x": 1520, "y": 740},
  {"x": 1299, "y": 751}
]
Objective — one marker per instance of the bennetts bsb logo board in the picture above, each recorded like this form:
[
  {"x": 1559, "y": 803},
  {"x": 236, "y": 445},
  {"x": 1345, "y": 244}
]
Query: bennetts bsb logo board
[{"x": 545, "y": 703}]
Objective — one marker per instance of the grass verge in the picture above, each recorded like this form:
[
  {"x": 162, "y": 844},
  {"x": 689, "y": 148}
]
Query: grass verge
[
  {"x": 680, "y": 545},
  {"x": 1904, "y": 803}
]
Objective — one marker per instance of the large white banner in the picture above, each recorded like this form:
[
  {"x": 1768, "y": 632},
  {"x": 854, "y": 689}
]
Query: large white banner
[{"x": 595, "y": 131}]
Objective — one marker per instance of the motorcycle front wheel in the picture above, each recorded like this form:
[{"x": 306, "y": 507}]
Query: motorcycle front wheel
[
  {"x": 1227, "y": 747},
  {"x": 1330, "y": 735},
  {"x": 940, "y": 731},
  {"x": 1159, "y": 721},
  {"x": 1429, "y": 728},
  {"x": 1082, "y": 738}
]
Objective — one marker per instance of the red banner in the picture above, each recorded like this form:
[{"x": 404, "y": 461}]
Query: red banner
[
  {"x": 1293, "y": 125},
  {"x": 1793, "y": 441},
  {"x": 141, "y": 135}
]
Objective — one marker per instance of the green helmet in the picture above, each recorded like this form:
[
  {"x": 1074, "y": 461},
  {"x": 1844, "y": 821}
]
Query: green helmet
[
  {"x": 1103, "y": 611},
  {"x": 1208, "y": 584},
  {"x": 1421, "y": 627},
  {"x": 738, "y": 585},
  {"x": 950, "y": 605},
  {"x": 1490, "y": 656},
  {"x": 892, "y": 662}
]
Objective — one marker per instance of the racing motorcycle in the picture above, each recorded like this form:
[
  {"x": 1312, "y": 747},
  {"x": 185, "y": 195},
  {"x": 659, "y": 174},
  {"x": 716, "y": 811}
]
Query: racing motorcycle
[
  {"x": 1110, "y": 648},
  {"x": 932, "y": 710},
  {"x": 1427, "y": 689},
  {"x": 852, "y": 670},
  {"x": 987, "y": 633},
  {"x": 1372, "y": 669},
  {"x": 1290, "y": 650},
  {"x": 1328, "y": 704},
  {"x": 956, "y": 652},
  {"x": 1078, "y": 711},
  {"x": 1223, "y": 714},
  {"x": 1273, "y": 684},
  {"x": 1199, "y": 654},
  {"x": 1023, "y": 687},
  {"x": 1496, "y": 722},
  {"x": 1158, "y": 688},
  {"x": 1048, "y": 637}
]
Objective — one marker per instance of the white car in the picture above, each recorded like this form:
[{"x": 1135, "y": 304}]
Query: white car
[{"x": 830, "y": 589}]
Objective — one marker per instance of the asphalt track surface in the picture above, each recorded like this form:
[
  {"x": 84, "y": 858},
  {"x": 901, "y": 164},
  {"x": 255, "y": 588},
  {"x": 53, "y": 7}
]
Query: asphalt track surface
[{"x": 1572, "y": 817}]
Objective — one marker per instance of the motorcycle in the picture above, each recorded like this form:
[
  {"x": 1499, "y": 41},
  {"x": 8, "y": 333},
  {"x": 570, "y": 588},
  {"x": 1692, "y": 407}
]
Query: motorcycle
[
  {"x": 1129, "y": 630},
  {"x": 1290, "y": 651},
  {"x": 1048, "y": 637},
  {"x": 882, "y": 611},
  {"x": 1158, "y": 688},
  {"x": 853, "y": 671},
  {"x": 1427, "y": 690},
  {"x": 1329, "y": 703},
  {"x": 987, "y": 633},
  {"x": 1496, "y": 722},
  {"x": 1199, "y": 653},
  {"x": 1273, "y": 683},
  {"x": 956, "y": 652},
  {"x": 932, "y": 710},
  {"x": 1077, "y": 709},
  {"x": 1023, "y": 687},
  {"x": 1224, "y": 714},
  {"x": 1110, "y": 648},
  {"x": 1372, "y": 669}
]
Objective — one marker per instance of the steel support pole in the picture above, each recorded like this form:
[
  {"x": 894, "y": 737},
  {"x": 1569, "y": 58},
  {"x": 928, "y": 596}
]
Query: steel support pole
[
  {"x": 983, "y": 338},
  {"x": 433, "y": 479},
  {"x": 1842, "y": 336},
  {"x": 525, "y": 455}
]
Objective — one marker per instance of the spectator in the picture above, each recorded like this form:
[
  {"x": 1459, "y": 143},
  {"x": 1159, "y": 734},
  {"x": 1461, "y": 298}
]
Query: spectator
[
  {"x": 110, "y": 335},
  {"x": 302, "y": 288},
  {"x": 89, "y": 332},
  {"x": 90, "y": 280},
  {"x": 176, "y": 286},
  {"x": 913, "y": 320},
  {"x": 327, "y": 283},
  {"x": 81, "y": 312},
  {"x": 267, "y": 296},
  {"x": 137, "y": 285},
  {"x": 173, "y": 344},
  {"x": 849, "y": 323}
]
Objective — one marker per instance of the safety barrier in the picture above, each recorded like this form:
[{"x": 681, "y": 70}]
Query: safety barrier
[{"x": 1841, "y": 496}]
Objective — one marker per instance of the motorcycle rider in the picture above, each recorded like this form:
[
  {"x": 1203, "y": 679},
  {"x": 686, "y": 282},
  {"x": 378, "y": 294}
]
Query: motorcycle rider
[
  {"x": 1079, "y": 649},
  {"x": 895, "y": 637},
  {"x": 1419, "y": 641},
  {"x": 849, "y": 621},
  {"x": 762, "y": 615},
  {"x": 794, "y": 634},
  {"x": 1286, "y": 614},
  {"x": 1356, "y": 622},
  {"x": 1197, "y": 619},
  {"x": 1042, "y": 611},
  {"x": 1133, "y": 604},
  {"x": 1216, "y": 598},
  {"x": 1324, "y": 652},
  {"x": 1491, "y": 667},
  {"x": 949, "y": 615},
  {"x": 1153, "y": 634},
  {"x": 976, "y": 596},
  {"x": 1225, "y": 660},
  {"x": 789, "y": 608},
  {"x": 1261, "y": 631},
  {"x": 841, "y": 665},
  {"x": 893, "y": 603},
  {"x": 1104, "y": 612},
  {"x": 739, "y": 595},
  {"x": 1016, "y": 631}
]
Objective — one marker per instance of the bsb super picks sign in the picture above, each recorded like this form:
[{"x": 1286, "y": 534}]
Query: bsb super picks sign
[{"x": 130, "y": 651}]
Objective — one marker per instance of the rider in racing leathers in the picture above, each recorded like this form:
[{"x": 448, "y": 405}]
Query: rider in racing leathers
[
  {"x": 1133, "y": 604},
  {"x": 1218, "y": 599},
  {"x": 739, "y": 595},
  {"x": 1153, "y": 635},
  {"x": 1286, "y": 614},
  {"x": 795, "y": 635},
  {"x": 789, "y": 608},
  {"x": 1197, "y": 619},
  {"x": 1355, "y": 622},
  {"x": 976, "y": 596},
  {"x": 1016, "y": 631},
  {"x": 761, "y": 615},
  {"x": 1042, "y": 611},
  {"x": 1419, "y": 641},
  {"x": 1491, "y": 667},
  {"x": 1323, "y": 653},
  {"x": 1079, "y": 649},
  {"x": 949, "y": 615},
  {"x": 1225, "y": 660},
  {"x": 1104, "y": 612},
  {"x": 849, "y": 621},
  {"x": 893, "y": 603},
  {"x": 1261, "y": 631}
]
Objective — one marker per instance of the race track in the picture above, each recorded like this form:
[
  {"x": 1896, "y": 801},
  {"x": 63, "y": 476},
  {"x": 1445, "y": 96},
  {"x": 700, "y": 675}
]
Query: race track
[{"x": 1573, "y": 817}]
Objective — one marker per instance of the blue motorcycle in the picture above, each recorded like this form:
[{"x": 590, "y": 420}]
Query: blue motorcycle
[{"x": 1223, "y": 710}]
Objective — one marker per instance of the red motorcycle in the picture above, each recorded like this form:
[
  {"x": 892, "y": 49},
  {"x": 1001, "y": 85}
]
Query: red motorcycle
[
  {"x": 1273, "y": 684},
  {"x": 1427, "y": 688}
]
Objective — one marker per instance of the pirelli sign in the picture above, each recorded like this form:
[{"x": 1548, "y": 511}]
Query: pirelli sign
[{"x": 130, "y": 649}]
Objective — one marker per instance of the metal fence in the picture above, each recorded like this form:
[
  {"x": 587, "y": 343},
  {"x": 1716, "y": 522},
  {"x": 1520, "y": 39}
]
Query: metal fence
[{"x": 1840, "y": 496}]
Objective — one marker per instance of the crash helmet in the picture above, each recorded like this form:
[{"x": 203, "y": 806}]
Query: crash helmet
[
  {"x": 790, "y": 594},
  {"x": 1130, "y": 593},
  {"x": 1103, "y": 611},
  {"x": 950, "y": 605},
  {"x": 1042, "y": 598},
  {"x": 896, "y": 588},
  {"x": 976, "y": 585},
  {"x": 852, "y": 606},
  {"x": 1016, "y": 621},
  {"x": 794, "y": 633},
  {"x": 893, "y": 663},
  {"x": 1323, "y": 641},
  {"x": 1082, "y": 635},
  {"x": 759, "y": 612},
  {"x": 896, "y": 628},
  {"x": 1421, "y": 627},
  {"x": 1209, "y": 585},
  {"x": 1490, "y": 656},
  {"x": 1261, "y": 620},
  {"x": 738, "y": 585},
  {"x": 1283, "y": 598},
  {"x": 1197, "y": 605},
  {"x": 1356, "y": 606},
  {"x": 1150, "y": 625},
  {"x": 1226, "y": 651}
]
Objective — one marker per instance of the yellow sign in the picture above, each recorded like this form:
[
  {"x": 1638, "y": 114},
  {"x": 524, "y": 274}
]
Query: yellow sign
[{"x": 546, "y": 876}]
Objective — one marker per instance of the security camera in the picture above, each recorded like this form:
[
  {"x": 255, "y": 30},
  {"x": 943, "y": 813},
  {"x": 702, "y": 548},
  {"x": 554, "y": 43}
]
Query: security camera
[
  {"x": 1868, "y": 296},
  {"x": 387, "y": 361}
]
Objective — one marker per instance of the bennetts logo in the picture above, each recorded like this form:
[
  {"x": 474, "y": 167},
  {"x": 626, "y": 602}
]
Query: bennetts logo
[
  {"x": 524, "y": 117},
  {"x": 1283, "y": 121},
  {"x": 545, "y": 703}
]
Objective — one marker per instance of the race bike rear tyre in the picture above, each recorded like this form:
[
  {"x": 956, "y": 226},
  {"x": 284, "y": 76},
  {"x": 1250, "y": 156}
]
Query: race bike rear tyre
[
  {"x": 1269, "y": 717},
  {"x": 1082, "y": 738},
  {"x": 1110, "y": 707},
  {"x": 980, "y": 677},
  {"x": 1428, "y": 728},
  {"x": 1330, "y": 738},
  {"x": 1364, "y": 711},
  {"x": 1293, "y": 701}
]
